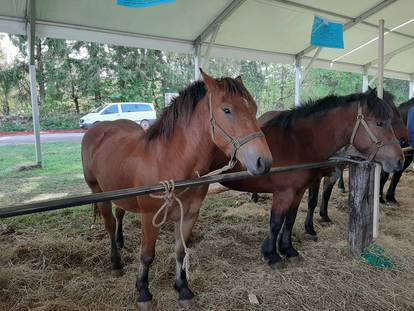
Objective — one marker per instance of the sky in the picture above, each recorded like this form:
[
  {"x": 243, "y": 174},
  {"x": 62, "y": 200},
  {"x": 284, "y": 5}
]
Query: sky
[{"x": 8, "y": 48}]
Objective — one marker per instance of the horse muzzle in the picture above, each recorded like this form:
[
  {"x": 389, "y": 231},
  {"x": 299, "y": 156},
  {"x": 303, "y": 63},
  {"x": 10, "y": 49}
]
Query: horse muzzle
[
  {"x": 393, "y": 165},
  {"x": 256, "y": 163}
]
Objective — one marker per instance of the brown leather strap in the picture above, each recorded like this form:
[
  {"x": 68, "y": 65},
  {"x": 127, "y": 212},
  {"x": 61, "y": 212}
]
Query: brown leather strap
[
  {"x": 379, "y": 144},
  {"x": 237, "y": 143}
]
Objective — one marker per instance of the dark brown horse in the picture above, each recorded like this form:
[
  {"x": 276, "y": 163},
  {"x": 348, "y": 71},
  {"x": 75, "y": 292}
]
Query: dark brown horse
[
  {"x": 390, "y": 195},
  {"x": 399, "y": 121},
  {"x": 205, "y": 117},
  {"x": 313, "y": 133}
]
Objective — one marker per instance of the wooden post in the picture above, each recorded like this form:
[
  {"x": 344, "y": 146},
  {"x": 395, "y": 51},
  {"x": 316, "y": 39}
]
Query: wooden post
[{"x": 361, "y": 204}]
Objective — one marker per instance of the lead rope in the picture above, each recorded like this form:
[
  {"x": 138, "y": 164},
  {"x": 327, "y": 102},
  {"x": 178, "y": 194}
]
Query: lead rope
[{"x": 169, "y": 197}]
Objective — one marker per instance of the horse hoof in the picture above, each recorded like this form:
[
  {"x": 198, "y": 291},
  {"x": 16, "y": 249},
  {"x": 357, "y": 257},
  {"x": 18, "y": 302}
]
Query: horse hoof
[
  {"x": 187, "y": 304},
  {"x": 325, "y": 222},
  {"x": 392, "y": 200},
  {"x": 277, "y": 265},
  {"x": 145, "y": 306},
  {"x": 297, "y": 260},
  {"x": 311, "y": 237},
  {"x": 117, "y": 272}
]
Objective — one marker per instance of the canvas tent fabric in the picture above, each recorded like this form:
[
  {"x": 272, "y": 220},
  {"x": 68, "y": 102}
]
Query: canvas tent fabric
[{"x": 268, "y": 30}]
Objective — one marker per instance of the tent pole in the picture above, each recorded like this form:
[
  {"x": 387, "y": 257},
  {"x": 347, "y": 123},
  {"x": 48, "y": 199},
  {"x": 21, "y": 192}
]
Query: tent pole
[
  {"x": 365, "y": 80},
  {"x": 33, "y": 85},
  {"x": 298, "y": 79},
  {"x": 197, "y": 62},
  {"x": 411, "y": 88},
  {"x": 380, "y": 95}
]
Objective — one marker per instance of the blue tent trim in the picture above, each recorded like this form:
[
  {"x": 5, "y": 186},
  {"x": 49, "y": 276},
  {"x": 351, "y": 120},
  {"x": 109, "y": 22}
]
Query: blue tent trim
[{"x": 142, "y": 3}]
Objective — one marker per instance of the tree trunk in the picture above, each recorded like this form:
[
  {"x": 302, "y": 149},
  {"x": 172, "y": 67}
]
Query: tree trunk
[
  {"x": 75, "y": 99},
  {"x": 40, "y": 72},
  {"x": 6, "y": 105}
]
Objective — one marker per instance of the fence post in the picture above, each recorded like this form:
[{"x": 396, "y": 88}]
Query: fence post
[{"x": 361, "y": 204}]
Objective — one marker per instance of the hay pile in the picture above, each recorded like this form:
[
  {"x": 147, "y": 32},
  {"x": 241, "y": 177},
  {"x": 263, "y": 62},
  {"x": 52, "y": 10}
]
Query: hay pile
[{"x": 64, "y": 265}]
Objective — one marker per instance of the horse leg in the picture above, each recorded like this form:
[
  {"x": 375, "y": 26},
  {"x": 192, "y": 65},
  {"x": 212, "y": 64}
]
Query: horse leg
[
  {"x": 313, "y": 193},
  {"x": 341, "y": 184},
  {"x": 281, "y": 201},
  {"x": 105, "y": 209},
  {"x": 285, "y": 240},
  {"x": 254, "y": 197},
  {"x": 181, "y": 283},
  {"x": 148, "y": 240},
  {"x": 383, "y": 180},
  {"x": 119, "y": 214},
  {"x": 328, "y": 184},
  {"x": 390, "y": 197}
]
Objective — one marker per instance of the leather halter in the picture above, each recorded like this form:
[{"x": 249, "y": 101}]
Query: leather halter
[
  {"x": 378, "y": 143},
  {"x": 236, "y": 143}
]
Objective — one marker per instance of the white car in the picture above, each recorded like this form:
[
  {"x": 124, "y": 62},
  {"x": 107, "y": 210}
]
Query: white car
[{"x": 142, "y": 113}]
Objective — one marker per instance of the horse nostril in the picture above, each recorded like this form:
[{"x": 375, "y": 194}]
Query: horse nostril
[
  {"x": 400, "y": 164},
  {"x": 260, "y": 165}
]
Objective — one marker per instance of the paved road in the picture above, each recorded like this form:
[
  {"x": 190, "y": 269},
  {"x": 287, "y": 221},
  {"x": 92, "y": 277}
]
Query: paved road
[{"x": 45, "y": 138}]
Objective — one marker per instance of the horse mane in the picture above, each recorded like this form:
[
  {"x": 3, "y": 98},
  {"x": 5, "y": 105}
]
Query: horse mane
[
  {"x": 183, "y": 106},
  {"x": 405, "y": 106},
  {"x": 377, "y": 108}
]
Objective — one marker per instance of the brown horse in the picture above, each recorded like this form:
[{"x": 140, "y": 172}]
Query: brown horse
[
  {"x": 206, "y": 116},
  {"x": 313, "y": 133},
  {"x": 400, "y": 131}
]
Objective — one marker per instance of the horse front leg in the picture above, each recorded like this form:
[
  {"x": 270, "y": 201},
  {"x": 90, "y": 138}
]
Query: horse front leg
[
  {"x": 390, "y": 197},
  {"x": 181, "y": 282},
  {"x": 341, "y": 184},
  {"x": 148, "y": 241},
  {"x": 328, "y": 184},
  {"x": 281, "y": 202},
  {"x": 285, "y": 241},
  {"x": 313, "y": 193},
  {"x": 383, "y": 179}
]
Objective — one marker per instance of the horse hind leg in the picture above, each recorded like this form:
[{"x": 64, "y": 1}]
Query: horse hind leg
[
  {"x": 119, "y": 236},
  {"x": 105, "y": 210}
]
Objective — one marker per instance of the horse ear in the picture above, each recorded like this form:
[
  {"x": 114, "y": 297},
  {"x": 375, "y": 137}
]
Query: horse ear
[
  {"x": 239, "y": 79},
  {"x": 209, "y": 81}
]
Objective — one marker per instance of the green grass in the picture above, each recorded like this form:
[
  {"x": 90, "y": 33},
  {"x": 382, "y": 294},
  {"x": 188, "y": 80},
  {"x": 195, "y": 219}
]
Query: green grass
[
  {"x": 61, "y": 173},
  {"x": 60, "y": 176}
]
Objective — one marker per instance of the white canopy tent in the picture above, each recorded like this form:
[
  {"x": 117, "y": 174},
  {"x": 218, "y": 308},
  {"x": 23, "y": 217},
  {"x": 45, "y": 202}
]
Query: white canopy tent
[{"x": 268, "y": 30}]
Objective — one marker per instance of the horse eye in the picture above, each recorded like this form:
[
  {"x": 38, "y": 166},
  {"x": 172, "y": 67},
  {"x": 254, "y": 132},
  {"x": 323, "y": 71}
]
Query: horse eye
[
  {"x": 226, "y": 111},
  {"x": 380, "y": 124}
]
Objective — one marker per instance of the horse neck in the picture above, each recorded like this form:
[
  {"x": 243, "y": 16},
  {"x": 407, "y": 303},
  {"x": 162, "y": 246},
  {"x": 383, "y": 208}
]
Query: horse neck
[
  {"x": 323, "y": 135},
  {"x": 190, "y": 144}
]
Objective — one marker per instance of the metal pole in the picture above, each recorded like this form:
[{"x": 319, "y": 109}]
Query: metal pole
[
  {"x": 381, "y": 59},
  {"x": 212, "y": 40},
  {"x": 377, "y": 172},
  {"x": 365, "y": 80},
  {"x": 298, "y": 80},
  {"x": 30, "y": 208},
  {"x": 411, "y": 88},
  {"x": 377, "y": 175},
  {"x": 33, "y": 85},
  {"x": 197, "y": 63}
]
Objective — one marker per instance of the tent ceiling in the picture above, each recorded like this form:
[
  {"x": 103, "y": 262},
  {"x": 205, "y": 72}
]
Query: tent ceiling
[{"x": 269, "y": 30}]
